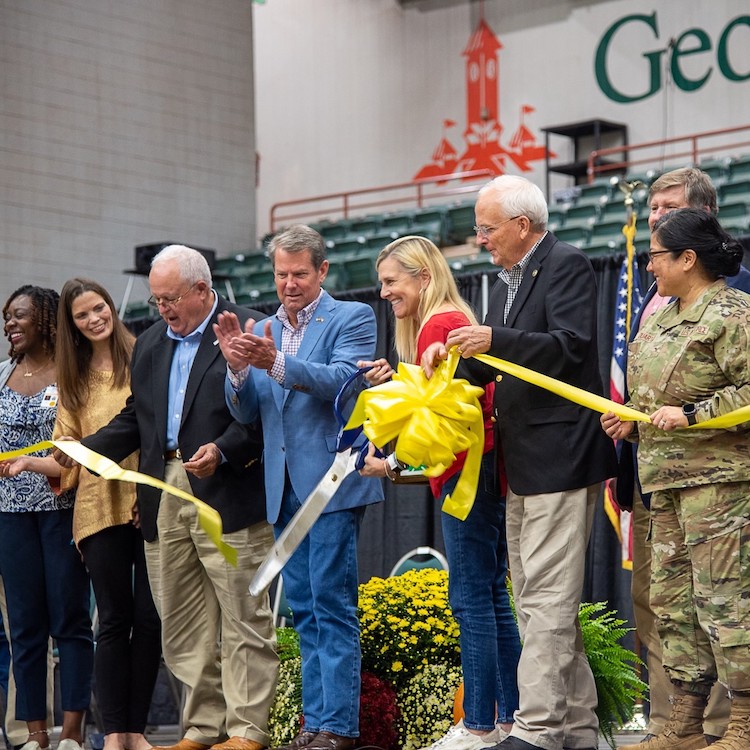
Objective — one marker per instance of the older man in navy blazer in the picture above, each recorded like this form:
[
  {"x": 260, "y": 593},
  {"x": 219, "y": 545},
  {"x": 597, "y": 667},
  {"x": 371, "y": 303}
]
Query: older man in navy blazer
[
  {"x": 286, "y": 372},
  {"x": 542, "y": 314},
  {"x": 218, "y": 640}
]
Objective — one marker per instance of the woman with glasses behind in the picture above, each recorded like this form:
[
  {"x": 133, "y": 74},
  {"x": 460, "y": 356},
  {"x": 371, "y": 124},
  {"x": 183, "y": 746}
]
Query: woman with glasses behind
[{"x": 690, "y": 362}]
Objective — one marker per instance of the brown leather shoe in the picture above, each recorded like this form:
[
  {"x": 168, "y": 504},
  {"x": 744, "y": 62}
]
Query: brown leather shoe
[
  {"x": 238, "y": 743},
  {"x": 303, "y": 739},
  {"x": 183, "y": 744},
  {"x": 331, "y": 741}
]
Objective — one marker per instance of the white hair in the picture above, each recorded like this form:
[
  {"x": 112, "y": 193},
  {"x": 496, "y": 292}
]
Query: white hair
[
  {"x": 519, "y": 197},
  {"x": 192, "y": 264}
]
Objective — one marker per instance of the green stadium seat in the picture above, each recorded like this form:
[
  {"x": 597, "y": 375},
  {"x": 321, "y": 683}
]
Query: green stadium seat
[
  {"x": 254, "y": 279},
  {"x": 379, "y": 240},
  {"x": 472, "y": 264},
  {"x": 606, "y": 230},
  {"x": 601, "y": 187},
  {"x": 733, "y": 210},
  {"x": 615, "y": 211},
  {"x": 334, "y": 230},
  {"x": 346, "y": 246},
  {"x": 360, "y": 270},
  {"x": 366, "y": 226},
  {"x": 576, "y": 235},
  {"x": 580, "y": 215},
  {"x": 398, "y": 222},
  {"x": 460, "y": 222},
  {"x": 736, "y": 190},
  {"x": 430, "y": 223},
  {"x": 716, "y": 169},
  {"x": 739, "y": 168},
  {"x": 337, "y": 278},
  {"x": 604, "y": 246},
  {"x": 646, "y": 176}
]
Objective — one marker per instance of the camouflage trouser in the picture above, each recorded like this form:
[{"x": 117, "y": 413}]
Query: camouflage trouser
[{"x": 700, "y": 581}]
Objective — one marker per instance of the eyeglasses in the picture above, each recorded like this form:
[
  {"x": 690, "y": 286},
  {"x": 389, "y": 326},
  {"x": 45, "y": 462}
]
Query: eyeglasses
[
  {"x": 653, "y": 253},
  {"x": 485, "y": 232},
  {"x": 170, "y": 301}
]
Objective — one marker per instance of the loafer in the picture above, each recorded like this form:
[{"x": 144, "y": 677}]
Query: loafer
[
  {"x": 238, "y": 743},
  {"x": 303, "y": 739},
  {"x": 183, "y": 744},
  {"x": 331, "y": 741}
]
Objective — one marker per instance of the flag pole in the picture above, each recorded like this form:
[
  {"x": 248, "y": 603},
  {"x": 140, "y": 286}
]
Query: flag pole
[{"x": 629, "y": 230}]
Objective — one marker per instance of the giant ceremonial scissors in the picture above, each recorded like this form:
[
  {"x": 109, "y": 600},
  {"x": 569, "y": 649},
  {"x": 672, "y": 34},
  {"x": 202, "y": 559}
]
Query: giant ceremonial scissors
[{"x": 348, "y": 459}]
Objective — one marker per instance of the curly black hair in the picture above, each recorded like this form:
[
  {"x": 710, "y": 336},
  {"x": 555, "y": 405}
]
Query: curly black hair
[{"x": 44, "y": 302}]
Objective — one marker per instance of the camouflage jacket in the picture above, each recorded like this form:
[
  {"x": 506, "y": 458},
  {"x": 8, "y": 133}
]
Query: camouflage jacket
[{"x": 698, "y": 356}]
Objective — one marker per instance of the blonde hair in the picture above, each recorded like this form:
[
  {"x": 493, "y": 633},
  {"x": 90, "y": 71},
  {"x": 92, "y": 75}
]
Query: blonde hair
[{"x": 414, "y": 254}]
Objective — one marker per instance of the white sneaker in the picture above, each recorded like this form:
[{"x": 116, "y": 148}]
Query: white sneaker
[
  {"x": 32, "y": 745},
  {"x": 458, "y": 737},
  {"x": 68, "y": 744}
]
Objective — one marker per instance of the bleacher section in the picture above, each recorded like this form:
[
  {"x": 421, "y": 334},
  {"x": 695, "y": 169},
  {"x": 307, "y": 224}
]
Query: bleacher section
[{"x": 590, "y": 216}]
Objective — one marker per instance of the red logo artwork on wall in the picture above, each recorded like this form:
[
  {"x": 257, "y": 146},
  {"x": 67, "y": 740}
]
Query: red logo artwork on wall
[{"x": 484, "y": 130}]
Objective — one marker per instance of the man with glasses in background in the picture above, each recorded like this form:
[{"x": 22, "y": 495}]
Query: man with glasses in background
[
  {"x": 218, "y": 640},
  {"x": 543, "y": 315}
]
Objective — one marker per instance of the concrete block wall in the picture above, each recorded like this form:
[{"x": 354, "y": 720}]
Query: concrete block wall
[{"x": 122, "y": 123}]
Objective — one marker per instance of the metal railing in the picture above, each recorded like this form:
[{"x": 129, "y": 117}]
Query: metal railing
[
  {"x": 343, "y": 205},
  {"x": 691, "y": 148}
]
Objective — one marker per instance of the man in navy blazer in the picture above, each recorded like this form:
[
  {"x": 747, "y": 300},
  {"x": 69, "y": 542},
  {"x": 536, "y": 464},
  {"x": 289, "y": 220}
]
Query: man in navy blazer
[
  {"x": 286, "y": 372},
  {"x": 542, "y": 314},
  {"x": 217, "y": 639}
]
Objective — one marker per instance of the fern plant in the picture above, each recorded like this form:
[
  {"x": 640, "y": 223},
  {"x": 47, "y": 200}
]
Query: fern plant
[{"x": 618, "y": 687}]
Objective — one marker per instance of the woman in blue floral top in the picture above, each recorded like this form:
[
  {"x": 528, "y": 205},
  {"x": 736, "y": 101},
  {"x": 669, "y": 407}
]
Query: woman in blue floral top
[{"x": 46, "y": 584}]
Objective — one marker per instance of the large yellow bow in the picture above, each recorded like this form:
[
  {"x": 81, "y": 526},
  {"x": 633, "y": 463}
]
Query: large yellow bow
[{"x": 431, "y": 421}]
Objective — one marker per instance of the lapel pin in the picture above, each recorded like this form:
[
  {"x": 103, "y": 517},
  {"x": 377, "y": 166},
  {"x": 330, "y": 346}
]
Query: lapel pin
[
  {"x": 535, "y": 272},
  {"x": 318, "y": 320}
]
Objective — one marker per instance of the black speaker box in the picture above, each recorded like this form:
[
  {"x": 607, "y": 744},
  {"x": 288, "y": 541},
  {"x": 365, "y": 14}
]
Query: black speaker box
[{"x": 144, "y": 254}]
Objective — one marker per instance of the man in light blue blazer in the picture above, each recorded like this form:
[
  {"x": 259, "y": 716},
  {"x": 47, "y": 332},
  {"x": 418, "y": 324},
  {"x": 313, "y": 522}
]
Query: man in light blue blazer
[{"x": 285, "y": 372}]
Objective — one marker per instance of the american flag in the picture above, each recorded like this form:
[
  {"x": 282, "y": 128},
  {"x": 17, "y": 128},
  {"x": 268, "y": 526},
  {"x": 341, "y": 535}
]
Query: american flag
[{"x": 628, "y": 300}]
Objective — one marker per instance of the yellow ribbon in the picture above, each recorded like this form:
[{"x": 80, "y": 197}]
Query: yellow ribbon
[
  {"x": 431, "y": 421},
  {"x": 208, "y": 517},
  {"x": 599, "y": 403}
]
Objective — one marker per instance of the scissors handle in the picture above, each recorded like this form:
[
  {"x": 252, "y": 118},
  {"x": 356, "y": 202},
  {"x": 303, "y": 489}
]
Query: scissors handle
[{"x": 346, "y": 438}]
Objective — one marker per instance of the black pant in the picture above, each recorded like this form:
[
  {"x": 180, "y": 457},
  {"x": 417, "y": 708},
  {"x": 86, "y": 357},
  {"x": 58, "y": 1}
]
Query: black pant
[{"x": 128, "y": 644}]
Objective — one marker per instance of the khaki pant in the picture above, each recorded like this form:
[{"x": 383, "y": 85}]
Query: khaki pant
[
  {"x": 217, "y": 639},
  {"x": 547, "y": 539}
]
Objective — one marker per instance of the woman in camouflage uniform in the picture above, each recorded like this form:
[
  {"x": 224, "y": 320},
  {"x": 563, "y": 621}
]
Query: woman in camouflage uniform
[{"x": 691, "y": 362}]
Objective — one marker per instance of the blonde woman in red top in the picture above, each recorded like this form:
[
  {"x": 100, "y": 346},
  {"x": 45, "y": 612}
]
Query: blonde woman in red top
[{"x": 418, "y": 283}]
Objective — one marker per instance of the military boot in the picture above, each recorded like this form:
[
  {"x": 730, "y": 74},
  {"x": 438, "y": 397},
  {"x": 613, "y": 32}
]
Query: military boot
[
  {"x": 737, "y": 736},
  {"x": 684, "y": 728}
]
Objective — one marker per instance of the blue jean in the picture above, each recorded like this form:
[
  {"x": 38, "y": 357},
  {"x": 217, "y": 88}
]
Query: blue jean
[
  {"x": 490, "y": 645},
  {"x": 321, "y": 582},
  {"x": 47, "y": 591}
]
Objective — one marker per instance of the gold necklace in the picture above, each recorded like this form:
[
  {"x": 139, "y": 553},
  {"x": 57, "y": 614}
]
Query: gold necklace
[{"x": 31, "y": 373}]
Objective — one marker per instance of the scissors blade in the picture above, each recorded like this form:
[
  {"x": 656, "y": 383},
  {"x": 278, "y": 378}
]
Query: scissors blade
[{"x": 302, "y": 521}]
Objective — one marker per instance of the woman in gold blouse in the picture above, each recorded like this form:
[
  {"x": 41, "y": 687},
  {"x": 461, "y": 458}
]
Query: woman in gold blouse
[{"x": 93, "y": 376}]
